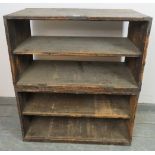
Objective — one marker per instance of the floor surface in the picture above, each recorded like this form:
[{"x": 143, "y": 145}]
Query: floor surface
[{"x": 10, "y": 133}]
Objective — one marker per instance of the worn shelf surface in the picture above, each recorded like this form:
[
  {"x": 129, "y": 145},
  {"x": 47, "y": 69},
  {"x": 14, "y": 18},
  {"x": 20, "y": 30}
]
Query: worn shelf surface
[
  {"x": 78, "y": 46},
  {"x": 99, "y": 106},
  {"x": 78, "y": 130},
  {"x": 78, "y": 14},
  {"x": 77, "y": 77}
]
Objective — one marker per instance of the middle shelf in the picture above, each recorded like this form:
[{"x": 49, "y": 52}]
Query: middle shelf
[
  {"x": 73, "y": 105},
  {"x": 77, "y": 77}
]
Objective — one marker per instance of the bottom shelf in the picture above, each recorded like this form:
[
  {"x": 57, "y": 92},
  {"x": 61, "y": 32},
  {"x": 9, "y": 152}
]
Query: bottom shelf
[{"x": 84, "y": 130}]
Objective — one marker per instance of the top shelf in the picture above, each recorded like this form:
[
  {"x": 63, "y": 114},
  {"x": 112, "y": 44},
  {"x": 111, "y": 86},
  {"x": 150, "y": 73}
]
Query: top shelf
[{"x": 78, "y": 14}]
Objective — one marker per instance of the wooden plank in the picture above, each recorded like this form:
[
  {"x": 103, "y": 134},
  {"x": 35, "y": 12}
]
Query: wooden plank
[
  {"x": 78, "y": 14},
  {"x": 10, "y": 129},
  {"x": 133, "y": 107},
  {"x": 78, "y": 46},
  {"x": 78, "y": 130},
  {"x": 77, "y": 77},
  {"x": 138, "y": 33},
  {"x": 16, "y": 32},
  {"x": 99, "y": 106}
]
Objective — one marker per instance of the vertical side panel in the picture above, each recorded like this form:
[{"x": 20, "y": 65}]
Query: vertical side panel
[
  {"x": 16, "y": 32},
  {"x": 138, "y": 33},
  {"x": 133, "y": 107}
]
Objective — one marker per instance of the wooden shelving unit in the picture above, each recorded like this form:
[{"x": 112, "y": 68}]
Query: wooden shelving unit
[{"x": 77, "y": 101}]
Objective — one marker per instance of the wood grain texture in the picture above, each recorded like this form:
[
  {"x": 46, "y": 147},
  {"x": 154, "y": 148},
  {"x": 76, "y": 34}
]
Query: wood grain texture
[
  {"x": 138, "y": 33},
  {"x": 78, "y": 46},
  {"x": 78, "y": 14},
  {"x": 16, "y": 32},
  {"x": 78, "y": 130},
  {"x": 133, "y": 107},
  {"x": 11, "y": 135},
  {"x": 77, "y": 77},
  {"x": 98, "y": 106}
]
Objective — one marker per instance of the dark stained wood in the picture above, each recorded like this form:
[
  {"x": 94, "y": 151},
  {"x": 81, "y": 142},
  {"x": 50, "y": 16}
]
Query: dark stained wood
[
  {"x": 77, "y": 77},
  {"x": 78, "y": 130},
  {"x": 138, "y": 33},
  {"x": 81, "y": 78},
  {"x": 78, "y": 46},
  {"x": 25, "y": 121},
  {"x": 78, "y": 14},
  {"x": 16, "y": 32},
  {"x": 99, "y": 106},
  {"x": 133, "y": 107}
]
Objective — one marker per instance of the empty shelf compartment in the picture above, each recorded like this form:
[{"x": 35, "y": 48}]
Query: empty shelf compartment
[
  {"x": 72, "y": 105},
  {"x": 78, "y": 77},
  {"x": 78, "y": 130}
]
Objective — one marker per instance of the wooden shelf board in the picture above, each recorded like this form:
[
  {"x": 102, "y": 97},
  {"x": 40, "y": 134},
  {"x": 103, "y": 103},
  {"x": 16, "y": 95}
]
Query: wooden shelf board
[
  {"x": 78, "y": 14},
  {"x": 78, "y": 46},
  {"x": 72, "y": 105},
  {"x": 77, "y": 77},
  {"x": 78, "y": 130}
]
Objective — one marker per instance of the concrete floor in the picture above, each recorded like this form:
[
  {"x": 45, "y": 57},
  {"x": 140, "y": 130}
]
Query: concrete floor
[{"x": 10, "y": 133}]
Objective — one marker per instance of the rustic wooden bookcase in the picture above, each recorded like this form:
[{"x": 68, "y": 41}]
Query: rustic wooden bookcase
[{"x": 77, "y": 101}]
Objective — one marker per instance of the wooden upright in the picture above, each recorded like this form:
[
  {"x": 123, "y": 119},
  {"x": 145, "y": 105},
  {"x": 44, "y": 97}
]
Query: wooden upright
[{"x": 77, "y": 101}]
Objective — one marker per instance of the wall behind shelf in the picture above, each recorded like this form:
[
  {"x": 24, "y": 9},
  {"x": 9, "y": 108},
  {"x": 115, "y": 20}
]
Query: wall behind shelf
[{"x": 72, "y": 28}]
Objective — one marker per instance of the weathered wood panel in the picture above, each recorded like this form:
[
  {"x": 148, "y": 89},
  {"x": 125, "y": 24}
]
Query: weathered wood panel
[
  {"x": 138, "y": 33},
  {"x": 78, "y": 14},
  {"x": 78, "y": 46},
  {"x": 78, "y": 130},
  {"x": 16, "y": 32},
  {"x": 77, "y": 77},
  {"x": 99, "y": 106},
  {"x": 133, "y": 107}
]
